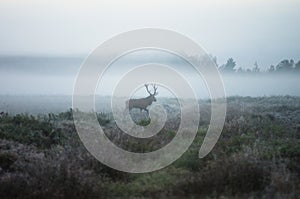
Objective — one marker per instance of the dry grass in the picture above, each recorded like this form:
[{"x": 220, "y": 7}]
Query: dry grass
[{"x": 257, "y": 156}]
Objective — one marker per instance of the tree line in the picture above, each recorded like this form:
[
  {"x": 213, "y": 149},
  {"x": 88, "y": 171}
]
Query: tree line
[{"x": 283, "y": 66}]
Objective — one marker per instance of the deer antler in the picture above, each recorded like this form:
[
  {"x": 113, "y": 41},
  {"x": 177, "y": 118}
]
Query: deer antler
[
  {"x": 146, "y": 85},
  {"x": 154, "y": 88}
]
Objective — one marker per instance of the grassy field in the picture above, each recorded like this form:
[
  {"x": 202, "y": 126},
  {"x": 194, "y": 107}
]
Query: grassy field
[{"x": 257, "y": 156}]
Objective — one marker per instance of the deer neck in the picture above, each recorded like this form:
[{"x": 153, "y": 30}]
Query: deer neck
[{"x": 149, "y": 98}]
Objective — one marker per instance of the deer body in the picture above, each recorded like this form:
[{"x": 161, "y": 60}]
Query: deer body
[{"x": 142, "y": 103}]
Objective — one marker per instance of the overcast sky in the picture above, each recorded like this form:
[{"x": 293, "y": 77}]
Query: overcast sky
[{"x": 266, "y": 31}]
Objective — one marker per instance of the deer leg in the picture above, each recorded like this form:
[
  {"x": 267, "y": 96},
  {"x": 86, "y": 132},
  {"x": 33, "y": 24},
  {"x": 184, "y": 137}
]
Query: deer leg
[{"x": 147, "y": 111}]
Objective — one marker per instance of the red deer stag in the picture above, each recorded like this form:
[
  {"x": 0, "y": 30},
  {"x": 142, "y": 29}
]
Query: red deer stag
[{"x": 143, "y": 103}]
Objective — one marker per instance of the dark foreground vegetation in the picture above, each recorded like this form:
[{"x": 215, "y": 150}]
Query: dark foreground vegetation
[{"x": 257, "y": 156}]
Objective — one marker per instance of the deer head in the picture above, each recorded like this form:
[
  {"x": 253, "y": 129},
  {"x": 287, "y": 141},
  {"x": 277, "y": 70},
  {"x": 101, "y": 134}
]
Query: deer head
[{"x": 152, "y": 95}]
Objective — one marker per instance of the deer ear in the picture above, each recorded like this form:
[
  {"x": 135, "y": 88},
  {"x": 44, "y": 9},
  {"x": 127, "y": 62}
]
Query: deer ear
[{"x": 156, "y": 94}]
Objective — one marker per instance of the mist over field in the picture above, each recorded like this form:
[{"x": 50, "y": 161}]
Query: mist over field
[
  {"x": 49, "y": 149},
  {"x": 33, "y": 84},
  {"x": 57, "y": 75}
]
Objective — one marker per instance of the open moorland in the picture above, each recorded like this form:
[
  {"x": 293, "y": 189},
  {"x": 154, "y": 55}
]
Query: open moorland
[{"x": 257, "y": 156}]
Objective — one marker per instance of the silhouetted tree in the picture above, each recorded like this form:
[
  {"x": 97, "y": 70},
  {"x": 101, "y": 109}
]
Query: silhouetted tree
[
  {"x": 285, "y": 65},
  {"x": 272, "y": 68},
  {"x": 229, "y": 66},
  {"x": 240, "y": 70},
  {"x": 256, "y": 68},
  {"x": 297, "y": 66},
  {"x": 214, "y": 58}
]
